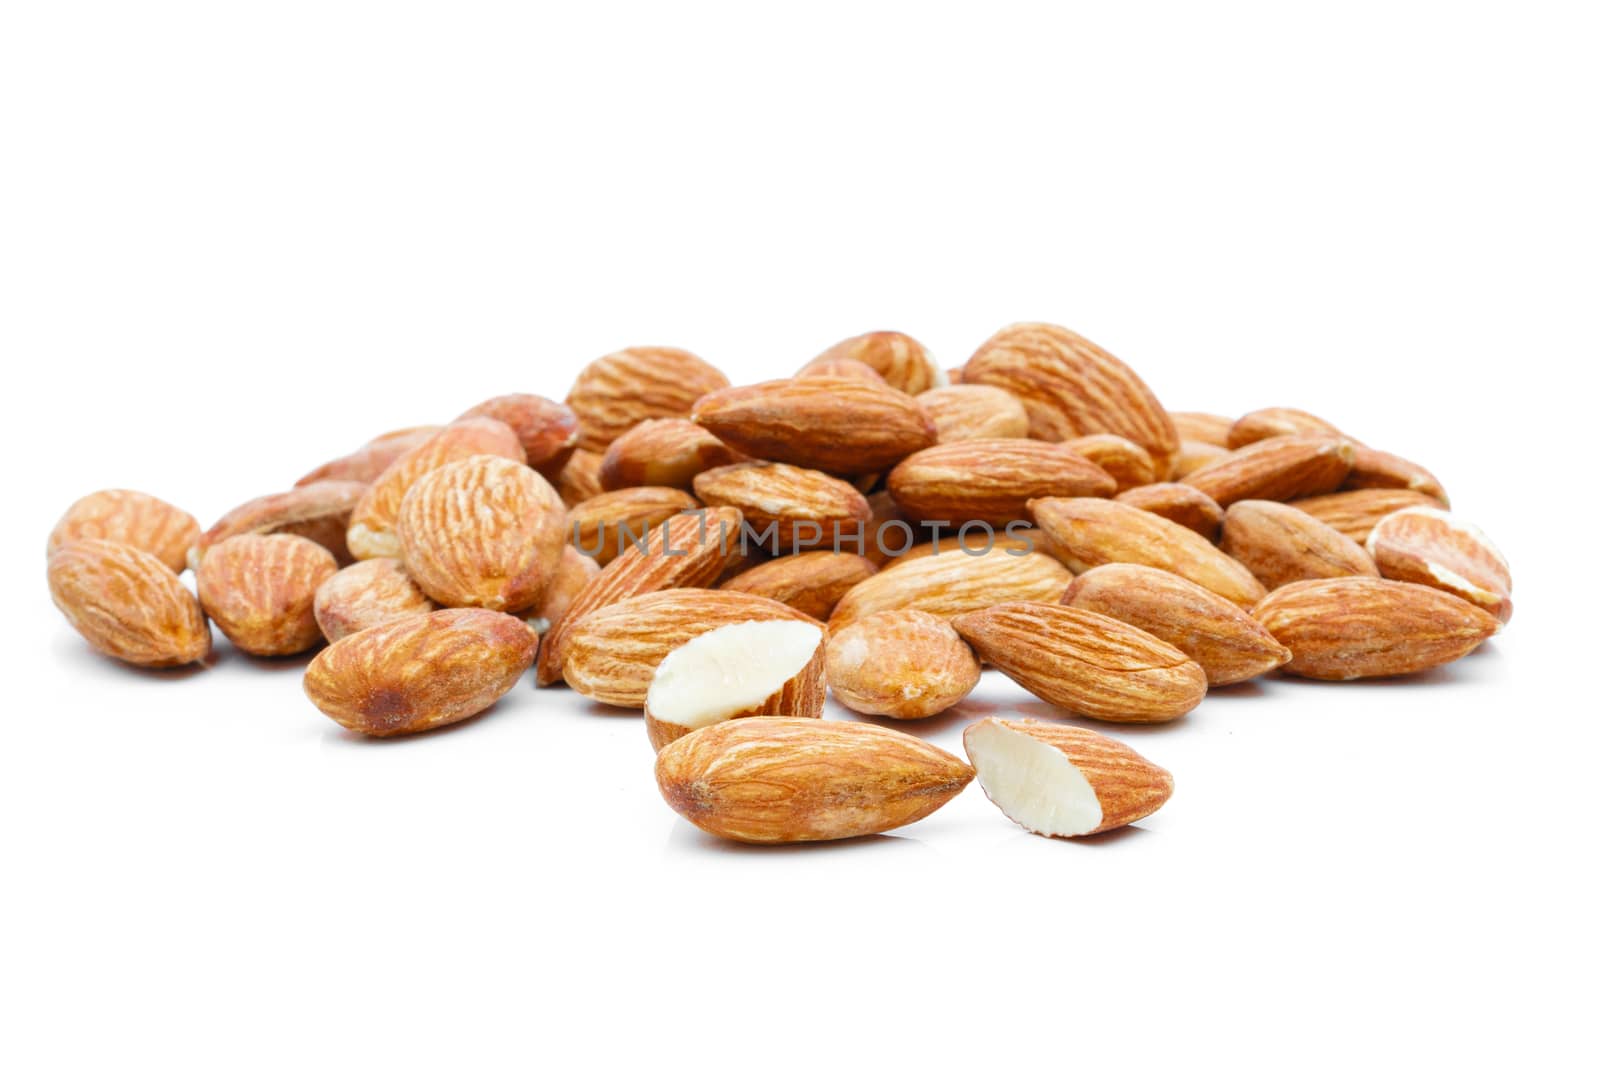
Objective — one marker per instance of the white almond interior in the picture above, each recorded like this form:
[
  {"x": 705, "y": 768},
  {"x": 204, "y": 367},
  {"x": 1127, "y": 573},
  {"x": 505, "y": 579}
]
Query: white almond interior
[
  {"x": 718, "y": 674},
  {"x": 1035, "y": 784}
]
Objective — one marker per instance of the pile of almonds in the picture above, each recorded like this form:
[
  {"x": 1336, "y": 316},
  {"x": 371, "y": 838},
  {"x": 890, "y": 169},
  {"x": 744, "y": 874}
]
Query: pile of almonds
[{"x": 1036, "y": 511}]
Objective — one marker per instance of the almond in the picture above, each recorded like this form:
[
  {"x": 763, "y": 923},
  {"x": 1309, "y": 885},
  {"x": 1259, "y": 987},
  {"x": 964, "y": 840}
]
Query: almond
[
  {"x": 261, "y": 591},
  {"x": 1119, "y": 457},
  {"x": 1385, "y": 470},
  {"x": 812, "y": 583},
  {"x": 1278, "y": 422},
  {"x": 1090, "y": 664},
  {"x": 974, "y": 413},
  {"x": 580, "y": 478},
  {"x": 800, "y": 508},
  {"x": 1085, "y": 533},
  {"x": 1278, "y": 468},
  {"x": 483, "y": 532},
  {"x": 951, "y": 583},
  {"x": 572, "y": 578},
  {"x": 900, "y": 664},
  {"x": 687, "y": 550},
  {"x": 772, "y": 667},
  {"x": 842, "y": 368},
  {"x": 1057, "y": 780},
  {"x": 667, "y": 452},
  {"x": 612, "y": 652},
  {"x": 953, "y": 375},
  {"x": 127, "y": 603},
  {"x": 1219, "y": 635},
  {"x": 1203, "y": 428},
  {"x": 1434, "y": 548},
  {"x": 901, "y": 361},
  {"x": 371, "y": 459},
  {"x": 547, "y": 431},
  {"x": 420, "y": 673},
  {"x": 1194, "y": 456},
  {"x": 889, "y": 532},
  {"x": 367, "y": 594},
  {"x": 830, "y": 424},
  {"x": 1281, "y": 544},
  {"x": 318, "y": 512},
  {"x": 1182, "y": 504},
  {"x": 604, "y": 525},
  {"x": 991, "y": 481},
  {"x": 131, "y": 518},
  {"x": 372, "y": 522},
  {"x": 617, "y": 392},
  {"x": 1072, "y": 387},
  {"x": 771, "y": 780},
  {"x": 1356, "y": 512},
  {"x": 1019, "y": 541}
]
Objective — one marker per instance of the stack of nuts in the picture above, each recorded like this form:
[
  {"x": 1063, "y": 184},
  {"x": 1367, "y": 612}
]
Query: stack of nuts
[{"x": 1043, "y": 515}]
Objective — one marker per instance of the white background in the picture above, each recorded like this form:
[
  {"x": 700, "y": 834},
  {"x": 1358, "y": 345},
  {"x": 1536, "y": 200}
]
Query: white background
[{"x": 238, "y": 239}]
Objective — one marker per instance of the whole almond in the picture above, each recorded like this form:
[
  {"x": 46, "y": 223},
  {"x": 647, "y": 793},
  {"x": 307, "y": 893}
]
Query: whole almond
[
  {"x": 842, "y": 368},
  {"x": 132, "y": 518},
  {"x": 1373, "y": 469},
  {"x": 668, "y": 452},
  {"x": 1278, "y": 422},
  {"x": 371, "y": 459},
  {"x": 613, "y": 652},
  {"x": 602, "y": 526},
  {"x": 1182, "y": 504},
  {"x": 812, "y": 583},
  {"x": 1219, "y": 635},
  {"x": 1434, "y": 548},
  {"x": 774, "y": 780},
  {"x": 617, "y": 392},
  {"x": 572, "y": 578},
  {"x": 1119, "y": 457},
  {"x": 1193, "y": 456},
  {"x": 900, "y": 664},
  {"x": 260, "y": 590},
  {"x": 974, "y": 413},
  {"x": 1356, "y": 512},
  {"x": 547, "y": 431},
  {"x": 483, "y": 532},
  {"x": 1085, "y": 533},
  {"x": 367, "y": 594},
  {"x": 420, "y": 673},
  {"x": 372, "y": 522},
  {"x": 1343, "y": 628},
  {"x": 952, "y": 583},
  {"x": 1281, "y": 544},
  {"x": 801, "y": 508},
  {"x": 1072, "y": 387},
  {"x": 1203, "y": 428},
  {"x": 901, "y": 361},
  {"x": 830, "y": 424},
  {"x": 580, "y": 478},
  {"x": 1278, "y": 468},
  {"x": 127, "y": 603},
  {"x": 1087, "y": 663},
  {"x": 991, "y": 481},
  {"x": 318, "y": 512}
]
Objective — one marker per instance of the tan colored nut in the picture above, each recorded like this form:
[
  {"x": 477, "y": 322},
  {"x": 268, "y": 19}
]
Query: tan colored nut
[
  {"x": 260, "y": 590},
  {"x": 974, "y": 413},
  {"x": 901, "y": 361},
  {"x": 900, "y": 664},
  {"x": 842, "y": 368},
  {"x": 1432, "y": 547},
  {"x": 371, "y": 459},
  {"x": 548, "y": 431},
  {"x": 991, "y": 481},
  {"x": 1281, "y": 544},
  {"x": 1278, "y": 468},
  {"x": 602, "y": 526},
  {"x": 367, "y": 594},
  {"x": 952, "y": 583},
  {"x": 1356, "y": 512},
  {"x": 580, "y": 478},
  {"x": 572, "y": 578},
  {"x": 1119, "y": 457},
  {"x": 1020, "y": 541},
  {"x": 1203, "y": 428},
  {"x": 1385, "y": 470},
  {"x": 812, "y": 583},
  {"x": 667, "y": 452},
  {"x": 800, "y": 508},
  {"x": 617, "y": 392},
  {"x": 1194, "y": 456},
  {"x": 889, "y": 532},
  {"x": 1278, "y": 422},
  {"x": 1182, "y": 504},
  {"x": 128, "y": 604},
  {"x": 318, "y": 512},
  {"x": 132, "y": 518}
]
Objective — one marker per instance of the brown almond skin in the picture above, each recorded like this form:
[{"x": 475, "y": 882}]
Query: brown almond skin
[
  {"x": 260, "y": 590},
  {"x": 1344, "y": 628},
  {"x": 804, "y": 508},
  {"x": 1073, "y": 387},
  {"x": 1278, "y": 468},
  {"x": 1373, "y": 469},
  {"x": 776, "y": 780},
  {"x": 618, "y": 391},
  {"x": 828, "y": 424},
  {"x": 484, "y": 532},
  {"x": 1119, "y": 457},
  {"x": 1281, "y": 544},
  {"x": 1431, "y": 547},
  {"x": 1277, "y": 422},
  {"x": 899, "y": 360},
  {"x": 952, "y": 583},
  {"x": 974, "y": 413},
  {"x": 1356, "y": 512},
  {"x": 548, "y": 431},
  {"x": 603, "y": 525},
  {"x": 318, "y": 512},
  {"x": 371, "y": 459},
  {"x": 133, "y": 518},
  {"x": 991, "y": 481},
  {"x": 1182, "y": 504},
  {"x": 580, "y": 478},
  {"x": 1204, "y": 428},
  {"x": 1090, "y": 664},
  {"x": 812, "y": 583},
  {"x": 1085, "y": 533},
  {"x": 1219, "y": 635},
  {"x": 127, "y": 603},
  {"x": 572, "y": 578},
  {"x": 801, "y": 696},
  {"x": 420, "y": 673},
  {"x": 367, "y": 594},
  {"x": 666, "y": 452},
  {"x": 842, "y": 368},
  {"x": 901, "y": 665},
  {"x": 1194, "y": 456}
]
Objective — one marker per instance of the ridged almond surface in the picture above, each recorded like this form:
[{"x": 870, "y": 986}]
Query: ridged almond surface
[
  {"x": 127, "y": 603},
  {"x": 991, "y": 481},
  {"x": 812, "y": 583},
  {"x": 952, "y": 583},
  {"x": 580, "y": 478},
  {"x": 1432, "y": 547},
  {"x": 828, "y": 424},
  {"x": 687, "y": 551},
  {"x": 974, "y": 413},
  {"x": 260, "y": 590},
  {"x": 1219, "y": 635},
  {"x": 371, "y": 459},
  {"x": 420, "y": 673},
  {"x": 602, "y": 526},
  {"x": 318, "y": 512},
  {"x": 900, "y": 664},
  {"x": 1119, "y": 457},
  {"x": 612, "y": 652},
  {"x": 1278, "y": 468},
  {"x": 1281, "y": 544},
  {"x": 372, "y": 523},
  {"x": 1087, "y": 663},
  {"x": 1182, "y": 504},
  {"x": 803, "y": 508},
  {"x": 1018, "y": 539},
  {"x": 617, "y": 392},
  {"x": 1085, "y": 533},
  {"x": 572, "y": 578},
  {"x": 1373, "y": 469},
  {"x": 1356, "y": 512},
  {"x": 842, "y": 368},
  {"x": 1202, "y": 427},
  {"x": 133, "y": 518},
  {"x": 548, "y": 431},
  {"x": 668, "y": 452},
  {"x": 1195, "y": 455},
  {"x": 1278, "y": 422},
  {"x": 901, "y": 361},
  {"x": 367, "y": 594},
  {"x": 1073, "y": 387},
  {"x": 1343, "y": 628},
  {"x": 774, "y": 780}
]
